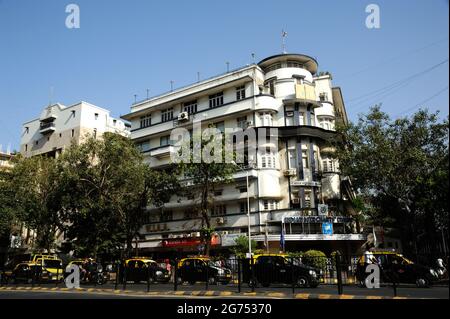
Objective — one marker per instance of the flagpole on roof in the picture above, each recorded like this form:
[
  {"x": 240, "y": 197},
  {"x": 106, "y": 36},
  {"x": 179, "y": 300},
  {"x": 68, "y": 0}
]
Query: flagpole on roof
[{"x": 283, "y": 36}]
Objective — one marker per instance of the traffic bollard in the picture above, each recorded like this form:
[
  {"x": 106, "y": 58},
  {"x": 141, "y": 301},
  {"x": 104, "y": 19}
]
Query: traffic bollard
[
  {"x": 239, "y": 275},
  {"x": 292, "y": 276},
  {"x": 175, "y": 276},
  {"x": 339, "y": 273}
]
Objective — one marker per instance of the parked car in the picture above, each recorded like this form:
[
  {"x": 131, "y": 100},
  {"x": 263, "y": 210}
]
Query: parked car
[
  {"x": 193, "y": 269},
  {"x": 277, "y": 268},
  {"x": 139, "y": 269},
  {"x": 49, "y": 270},
  {"x": 393, "y": 266}
]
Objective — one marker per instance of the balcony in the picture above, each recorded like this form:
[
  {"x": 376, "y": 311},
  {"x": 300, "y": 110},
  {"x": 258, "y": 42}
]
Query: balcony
[
  {"x": 304, "y": 94},
  {"x": 47, "y": 127},
  {"x": 162, "y": 151}
]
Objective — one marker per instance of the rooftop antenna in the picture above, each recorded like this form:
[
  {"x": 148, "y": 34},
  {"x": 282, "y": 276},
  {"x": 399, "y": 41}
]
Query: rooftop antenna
[
  {"x": 228, "y": 66},
  {"x": 171, "y": 85},
  {"x": 8, "y": 150},
  {"x": 135, "y": 98},
  {"x": 147, "y": 93},
  {"x": 283, "y": 36},
  {"x": 198, "y": 76},
  {"x": 253, "y": 58},
  {"x": 51, "y": 96}
]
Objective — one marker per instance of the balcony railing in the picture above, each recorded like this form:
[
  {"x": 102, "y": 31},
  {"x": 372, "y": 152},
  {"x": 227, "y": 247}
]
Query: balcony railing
[{"x": 47, "y": 127}]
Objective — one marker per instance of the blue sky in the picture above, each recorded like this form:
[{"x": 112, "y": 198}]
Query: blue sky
[{"x": 126, "y": 47}]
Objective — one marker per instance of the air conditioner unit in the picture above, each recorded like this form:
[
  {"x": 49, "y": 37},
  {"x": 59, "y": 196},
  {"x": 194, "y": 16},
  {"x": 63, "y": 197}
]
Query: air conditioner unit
[
  {"x": 183, "y": 116},
  {"x": 220, "y": 220},
  {"x": 296, "y": 200},
  {"x": 290, "y": 172}
]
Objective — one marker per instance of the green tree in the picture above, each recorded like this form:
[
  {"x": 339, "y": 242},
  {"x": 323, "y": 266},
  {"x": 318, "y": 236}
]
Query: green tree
[
  {"x": 206, "y": 176},
  {"x": 241, "y": 247},
  {"x": 111, "y": 188},
  {"x": 37, "y": 198},
  {"x": 396, "y": 165},
  {"x": 7, "y": 214}
]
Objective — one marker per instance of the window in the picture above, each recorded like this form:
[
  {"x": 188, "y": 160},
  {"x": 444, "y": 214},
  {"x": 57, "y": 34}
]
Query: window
[
  {"x": 27, "y": 130},
  {"x": 240, "y": 92},
  {"x": 273, "y": 67},
  {"x": 95, "y": 133},
  {"x": 26, "y": 147},
  {"x": 243, "y": 189},
  {"x": 289, "y": 118},
  {"x": 73, "y": 133},
  {"x": 167, "y": 115},
  {"x": 242, "y": 122},
  {"x": 323, "y": 97},
  {"x": 73, "y": 113},
  {"x": 189, "y": 214},
  {"x": 301, "y": 118},
  {"x": 114, "y": 122},
  {"x": 96, "y": 116},
  {"x": 166, "y": 216},
  {"x": 144, "y": 146},
  {"x": 268, "y": 159},
  {"x": 190, "y": 107},
  {"x": 215, "y": 100},
  {"x": 164, "y": 140},
  {"x": 266, "y": 119},
  {"x": 293, "y": 64},
  {"x": 328, "y": 164},
  {"x": 219, "y": 210},
  {"x": 307, "y": 202},
  {"x": 305, "y": 159},
  {"x": 270, "y": 204},
  {"x": 220, "y": 126},
  {"x": 326, "y": 123},
  {"x": 271, "y": 85},
  {"x": 292, "y": 158},
  {"x": 146, "y": 120},
  {"x": 243, "y": 208}
]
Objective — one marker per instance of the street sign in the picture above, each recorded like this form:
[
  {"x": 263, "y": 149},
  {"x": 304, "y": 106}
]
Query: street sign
[
  {"x": 323, "y": 209},
  {"x": 327, "y": 228}
]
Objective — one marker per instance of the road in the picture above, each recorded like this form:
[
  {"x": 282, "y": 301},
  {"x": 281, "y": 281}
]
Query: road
[{"x": 136, "y": 291}]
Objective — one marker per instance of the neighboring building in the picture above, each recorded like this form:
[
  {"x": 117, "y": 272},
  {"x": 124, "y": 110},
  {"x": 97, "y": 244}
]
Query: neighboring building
[
  {"x": 289, "y": 180},
  {"x": 58, "y": 126},
  {"x": 56, "y": 129},
  {"x": 5, "y": 161}
]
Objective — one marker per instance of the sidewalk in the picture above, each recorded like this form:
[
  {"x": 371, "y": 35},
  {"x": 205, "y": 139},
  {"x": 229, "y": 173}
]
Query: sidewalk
[{"x": 198, "y": 293}]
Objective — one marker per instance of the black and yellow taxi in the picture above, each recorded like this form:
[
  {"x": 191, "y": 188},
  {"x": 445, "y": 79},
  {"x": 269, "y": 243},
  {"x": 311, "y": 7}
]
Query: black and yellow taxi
[
  {"x": 202, "y": 268},
  {"x": 26, "y": 272},
  {"x": 51, "y": 267},
  {"x": 279, "y": 268},
  {"x": 139, "y": 269},
  {"x": 394, "y": 267}
]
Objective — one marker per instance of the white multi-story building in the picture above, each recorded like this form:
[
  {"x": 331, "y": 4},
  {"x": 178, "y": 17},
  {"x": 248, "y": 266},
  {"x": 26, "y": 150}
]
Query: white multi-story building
[
  {"x": 58, "y": 126},
  {"x": 294, "y": 184},
  {"x": 5, "y": 160}
]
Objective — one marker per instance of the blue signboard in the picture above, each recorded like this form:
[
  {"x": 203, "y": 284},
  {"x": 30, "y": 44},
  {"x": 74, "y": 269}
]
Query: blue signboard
[{"x": 327, "y": 228}]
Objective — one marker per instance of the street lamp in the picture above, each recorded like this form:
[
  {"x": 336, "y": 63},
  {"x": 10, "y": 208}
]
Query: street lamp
[{"x": 242, "y": 168}]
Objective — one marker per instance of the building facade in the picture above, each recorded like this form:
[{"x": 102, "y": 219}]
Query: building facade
[
  {"x": 58, "y": 126},
  {"x": 5, "y": 160},
  {"x": 295, "y": 185}
]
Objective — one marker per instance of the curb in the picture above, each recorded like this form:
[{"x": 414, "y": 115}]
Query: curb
[{"x": 198, "y": 293}]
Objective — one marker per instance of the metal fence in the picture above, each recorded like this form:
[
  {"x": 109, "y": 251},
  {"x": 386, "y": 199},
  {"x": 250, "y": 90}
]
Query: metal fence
[{"x": 294, "y": 274}]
